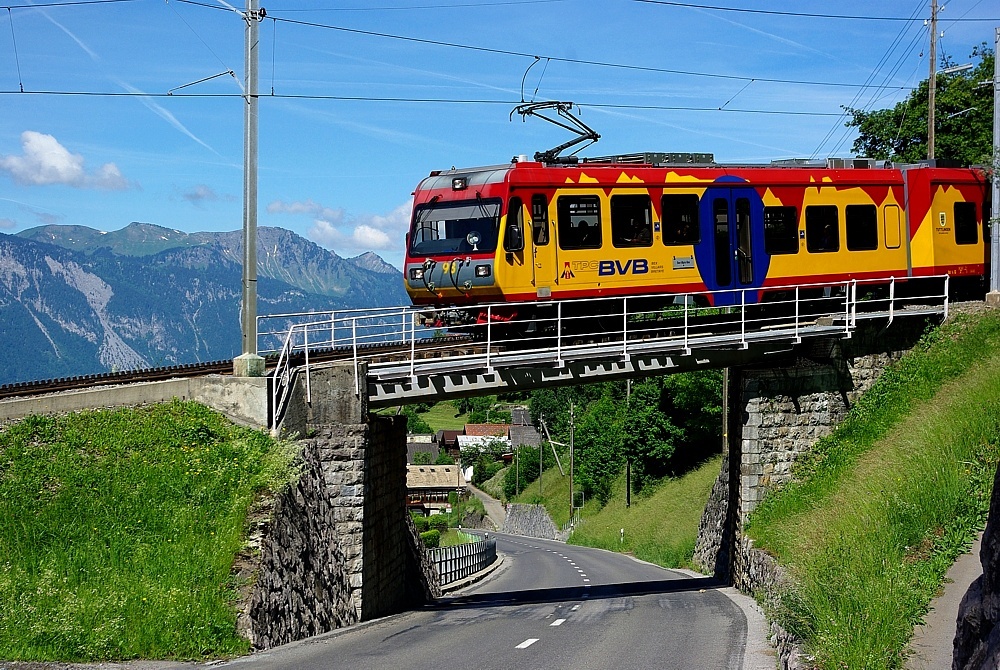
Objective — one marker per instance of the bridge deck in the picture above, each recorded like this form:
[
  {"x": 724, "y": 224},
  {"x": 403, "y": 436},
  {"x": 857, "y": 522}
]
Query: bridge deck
[{"x": 676, "y": 337}]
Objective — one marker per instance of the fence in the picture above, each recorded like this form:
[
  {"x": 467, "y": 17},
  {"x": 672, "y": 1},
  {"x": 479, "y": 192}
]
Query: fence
[{"x": 460, "y": 561}]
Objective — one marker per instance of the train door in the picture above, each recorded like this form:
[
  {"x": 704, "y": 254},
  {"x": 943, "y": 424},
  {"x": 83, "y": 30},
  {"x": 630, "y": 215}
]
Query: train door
[
  {"x": 731, "y": 215},
  {"x": 733, "y": 239},
  {"x": 513, "y": 274},
  {"x": 545, "y": 262}
]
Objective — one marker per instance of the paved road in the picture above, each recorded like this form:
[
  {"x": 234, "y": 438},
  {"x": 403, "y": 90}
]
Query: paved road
[
  {"x": 494, "y": 510},
  {"x": 551, "y": 606},
  {"x": 933, "y": 644}
]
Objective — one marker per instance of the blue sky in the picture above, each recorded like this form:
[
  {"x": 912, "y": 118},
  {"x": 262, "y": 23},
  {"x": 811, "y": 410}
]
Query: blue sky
[{"x": 341, "y": 171}]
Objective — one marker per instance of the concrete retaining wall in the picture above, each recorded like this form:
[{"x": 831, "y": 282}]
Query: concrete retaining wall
[
  {"x": 241, "y": 399},
  {"x": 530, "y": 521}
]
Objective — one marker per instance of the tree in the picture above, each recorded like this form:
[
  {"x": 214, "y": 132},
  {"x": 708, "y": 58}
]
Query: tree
[
  {"x": 415, "y": 424},
  {"x": 963, "y": 112},
  {"x": 444, "y": 459},
  {"x": 599, "y": 454},
  {"x": 649, "y": 437},
  {"x": 422, "y": 458}
]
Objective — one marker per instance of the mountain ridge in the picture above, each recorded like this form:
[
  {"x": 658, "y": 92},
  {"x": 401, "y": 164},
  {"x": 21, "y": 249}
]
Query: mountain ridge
[{"x": 72, "y": 305}]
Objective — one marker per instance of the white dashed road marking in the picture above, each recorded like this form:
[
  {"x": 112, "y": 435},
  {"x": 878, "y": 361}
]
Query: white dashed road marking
[
  {"x": 527, "y": 643},
  {"x": 558, "y": 622}
]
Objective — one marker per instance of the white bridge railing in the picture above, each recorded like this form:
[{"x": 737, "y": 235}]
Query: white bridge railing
[{"x": 570, "y": 330}]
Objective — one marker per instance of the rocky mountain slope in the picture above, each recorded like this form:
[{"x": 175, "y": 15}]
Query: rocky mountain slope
[{"x": 74, "y": 300}]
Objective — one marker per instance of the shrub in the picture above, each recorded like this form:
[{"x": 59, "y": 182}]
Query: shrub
[
  {"x": 438, "y": 522},
  {"x": 431, "y": 538},
  {"x": 422, "y": 523}
]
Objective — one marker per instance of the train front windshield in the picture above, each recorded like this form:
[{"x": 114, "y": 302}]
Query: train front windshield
[{"x": 463, "y": 227}]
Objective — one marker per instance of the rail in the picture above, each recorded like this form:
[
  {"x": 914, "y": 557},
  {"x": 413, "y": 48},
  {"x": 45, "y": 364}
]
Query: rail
[
  {"x": 563, "y": 332},
  {"x": 463, "y": 560}
]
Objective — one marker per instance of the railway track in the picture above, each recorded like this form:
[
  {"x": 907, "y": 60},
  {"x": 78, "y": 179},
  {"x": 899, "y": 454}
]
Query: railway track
[{"x": 369, "y": 352}]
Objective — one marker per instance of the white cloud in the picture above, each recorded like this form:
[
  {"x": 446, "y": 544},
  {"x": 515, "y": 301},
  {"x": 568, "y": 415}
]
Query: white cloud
[
  {"x": 349, "y": 235},
  {"x": 313, "y": 209},
  {"x": 366, "y": 237},
  {"x": 6, "y": 224},
  {"x": 45, "y": 161},
  {"x": 200, "y": 193}
]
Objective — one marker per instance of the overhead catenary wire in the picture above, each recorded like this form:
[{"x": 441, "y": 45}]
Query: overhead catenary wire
[
  {"x": 221, "y": 5},
  {"x": 71, "y": 3},
  {"x": 808, "y": 15},
  {"x": 875, "y": 98},
  {"x": 200, "y": 38},
  {"x": 477, "y": 5},
  {"x": 17, "y": 61},
  {"x": 466, "y": 101},
  {"x": 857, "y": 97},
  {"x": 560, "y": 59}
]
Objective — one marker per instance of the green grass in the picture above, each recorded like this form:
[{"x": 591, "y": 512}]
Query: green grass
[
  {"x": 118, "y": 530},
  {"x": 555, "y": 495},
  {"x": 453, "y": 537},
  {"x": 494, "y": 485},
  {"x": 890, "y": 499},
  {"x": 442, "y": 416},
  {"x": 660, "y": 528}
]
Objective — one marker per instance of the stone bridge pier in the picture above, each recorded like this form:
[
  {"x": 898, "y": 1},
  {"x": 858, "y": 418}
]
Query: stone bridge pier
[
  {"x": 774, "y": 416},
  {"x": 339, "y": 546}
]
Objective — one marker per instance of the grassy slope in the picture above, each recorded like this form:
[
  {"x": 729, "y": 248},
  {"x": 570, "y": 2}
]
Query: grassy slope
[
  {"x": 442, "y": 416},
  {"x": 118, "y": 530},
  {"x": 890, "y": 499},
  {"x": 660, "y": 528}
]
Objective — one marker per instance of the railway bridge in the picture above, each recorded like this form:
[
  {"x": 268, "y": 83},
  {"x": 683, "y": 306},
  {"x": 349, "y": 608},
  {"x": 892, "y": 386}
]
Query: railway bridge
[
  {"x": 342, "y": 533},
  {"x": 795, "y": 368}
]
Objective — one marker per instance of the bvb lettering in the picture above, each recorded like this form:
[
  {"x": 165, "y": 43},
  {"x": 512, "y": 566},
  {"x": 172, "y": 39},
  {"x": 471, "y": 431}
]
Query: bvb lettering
[{"x": 638, "y": 266}]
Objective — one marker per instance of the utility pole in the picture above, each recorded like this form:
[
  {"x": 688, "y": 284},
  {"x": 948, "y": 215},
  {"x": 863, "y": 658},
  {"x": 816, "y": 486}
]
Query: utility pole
[
  {"x": 249, "y": 364},
  {"x": 932, "y": 82},
  {"x": 571, "y": 431},
  {"x": 628, "y": 461},
  {"x": 517, "y": 470},
  {"x": 993, "y": 297}
]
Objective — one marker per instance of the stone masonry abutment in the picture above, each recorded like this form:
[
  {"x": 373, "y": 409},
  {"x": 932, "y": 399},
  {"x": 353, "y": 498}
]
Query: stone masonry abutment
[
  {"x": 339, "y": 546},
  {"x": 776, "y": 415}
]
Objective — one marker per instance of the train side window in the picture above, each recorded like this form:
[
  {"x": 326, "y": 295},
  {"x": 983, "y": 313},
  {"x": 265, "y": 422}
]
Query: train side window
[
  {"x": 631, "y": 222},
  {"x": 680, "y": 219},
  {"x": 513, "y": 237},
  {"x": 822, "y": 229},
  {"x": 781, "y": 230},
  {"x": 966, "y": 229},
  {"x": 862, "y": 227},
  {"x": 891, "y": 223},
  {"x": 579, "y": 222},
  {"x": 539, "y": 219}
]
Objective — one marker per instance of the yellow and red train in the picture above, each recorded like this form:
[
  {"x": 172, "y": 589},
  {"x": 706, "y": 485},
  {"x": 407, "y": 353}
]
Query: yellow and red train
[{"x": 530, "y": 231}]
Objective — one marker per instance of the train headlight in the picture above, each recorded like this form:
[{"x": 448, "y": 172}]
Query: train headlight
[
  {"x": 416, "y": 274},
  {"x": 483, "y": 271},
  {"x": 459, "y": 183}
]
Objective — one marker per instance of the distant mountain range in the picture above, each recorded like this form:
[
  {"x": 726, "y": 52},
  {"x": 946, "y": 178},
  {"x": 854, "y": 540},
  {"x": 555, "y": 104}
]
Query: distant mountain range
[{"x": 74, "y": 300}]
